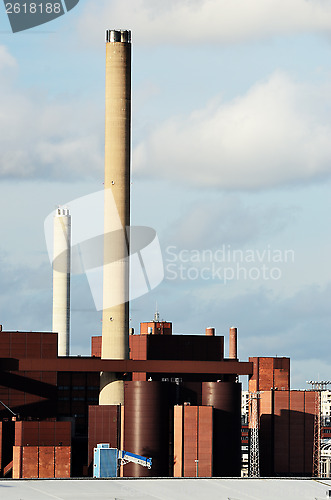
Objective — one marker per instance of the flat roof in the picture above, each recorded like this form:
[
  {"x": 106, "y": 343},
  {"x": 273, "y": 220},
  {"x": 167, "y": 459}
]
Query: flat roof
[{"x": 165, "y": 489}]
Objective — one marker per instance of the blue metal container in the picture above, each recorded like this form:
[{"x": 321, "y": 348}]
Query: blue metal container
[{"x": 105, "y": 461}]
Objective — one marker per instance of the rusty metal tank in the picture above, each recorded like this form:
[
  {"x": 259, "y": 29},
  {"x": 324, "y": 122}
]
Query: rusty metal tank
[
  {"x": 225, "y": 397},
  {"x": 146, "y": 426}
]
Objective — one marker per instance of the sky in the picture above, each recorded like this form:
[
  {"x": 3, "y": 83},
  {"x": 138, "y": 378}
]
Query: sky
[{"x": 231, "y": 166}]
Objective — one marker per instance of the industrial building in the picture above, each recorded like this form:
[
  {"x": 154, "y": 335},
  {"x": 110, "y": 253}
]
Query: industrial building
[
  {"x": 181, "y": 404},
  {"x": 182, "y": 408},
  {"x": 173, "y": 398}
]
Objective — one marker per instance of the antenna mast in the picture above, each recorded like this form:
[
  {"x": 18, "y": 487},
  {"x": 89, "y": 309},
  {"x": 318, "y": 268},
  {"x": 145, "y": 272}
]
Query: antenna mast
[
  {"x": 317, "y": 386},
  {"x": 254, "y": 453},
  {"x": 157, "y": 314}
]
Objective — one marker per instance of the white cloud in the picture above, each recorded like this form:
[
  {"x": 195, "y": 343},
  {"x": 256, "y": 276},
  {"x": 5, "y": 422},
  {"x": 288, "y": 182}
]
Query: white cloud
[
  {"x": 226, "y": 220},
  {"x": 59, "y": 138},
  {"x": 211, "y": 21},
  {"x": 267, "y": 324},
  {"x": 28, "y": 290},
  {"x": 6, "y": 59},
  {"x": 308, "y": 369},
  {"x": 278, "y": 133}
]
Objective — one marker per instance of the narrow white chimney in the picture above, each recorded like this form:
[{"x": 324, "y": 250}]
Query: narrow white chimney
[{"x": 61, "y": 279}]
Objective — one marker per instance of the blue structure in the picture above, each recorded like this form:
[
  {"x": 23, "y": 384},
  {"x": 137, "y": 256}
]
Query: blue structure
[
  {"x": 126, "y": 457},
  {"x": 106, "y": 460}
]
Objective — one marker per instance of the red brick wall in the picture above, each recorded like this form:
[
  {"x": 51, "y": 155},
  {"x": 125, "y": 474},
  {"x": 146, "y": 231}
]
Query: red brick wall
[
  {"x": 41, "y": 461},
  {"x": 178, "y": 441},
  {"x": 46, "y": 461},
  {"x": 266, "y": 433},
  {"x": 270, "y": 373},
  {"x": 139, "y": 376},
  {"x": 42, "y": 433},
  {"x": 193, "y": 440},
  {"x": 30, "y": 461},
  {"x": 138, "y": 346},
  {"x": 158, "y": 328},
  {"x": 28, "y": 345},
  {"x": 205, "y": 441},
  {"x": 62, "y": 461},
  {"x": 96, "y": 343},
  {"x": 297, "y": 430},
  {"x": 103, "y": 427},
  {"x": 253, "y": 380},
  {"x": 36, "y": 389},
  {"x": 17, "y": 462},
  {"x": 190, "y": 441},
  {"x": 282, "y": 373},
  {"x": 309, "y": 430},
  {"x": 286, "y": 435},
  {"x": 282, "y": 423}
]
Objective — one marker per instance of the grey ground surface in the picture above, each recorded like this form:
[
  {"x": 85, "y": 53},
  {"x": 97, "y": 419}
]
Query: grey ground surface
[{"x": 165, "y": 489}]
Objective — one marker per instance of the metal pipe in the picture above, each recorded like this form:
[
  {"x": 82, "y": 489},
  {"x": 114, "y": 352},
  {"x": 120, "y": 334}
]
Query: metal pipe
[{"x": 210, "y": 331}]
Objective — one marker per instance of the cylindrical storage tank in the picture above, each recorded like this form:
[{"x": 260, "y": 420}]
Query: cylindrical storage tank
[
  {"x": 225, "y": 397},
  {"x": 146, "y": 426},
  {"x": 233, "y": 353},
  {"x": 210, "y": 332}
]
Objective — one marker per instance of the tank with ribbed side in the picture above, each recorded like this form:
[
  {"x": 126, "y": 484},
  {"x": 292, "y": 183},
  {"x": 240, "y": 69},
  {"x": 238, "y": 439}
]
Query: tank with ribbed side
[
  {"x": 225, "y": 397},
  {"x": 146, "y": 426}
]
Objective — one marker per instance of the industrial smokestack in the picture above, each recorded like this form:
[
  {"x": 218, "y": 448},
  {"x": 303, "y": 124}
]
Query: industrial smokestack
[
  {"x": 61, "y": 279},
  {"x": 210, "y": 331},
  {"x": 233, "y": 354},
  {"x": 115, "y": 320}
]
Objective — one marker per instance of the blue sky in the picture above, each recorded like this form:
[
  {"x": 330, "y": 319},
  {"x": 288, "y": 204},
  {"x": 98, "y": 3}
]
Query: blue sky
[{"x": 231, "y": 147}]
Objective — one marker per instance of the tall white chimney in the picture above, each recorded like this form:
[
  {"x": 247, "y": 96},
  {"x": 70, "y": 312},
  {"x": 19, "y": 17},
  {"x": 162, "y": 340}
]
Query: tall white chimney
[
  {"x": 115, "y": 320},
  {"x": 61, "y": 279}
]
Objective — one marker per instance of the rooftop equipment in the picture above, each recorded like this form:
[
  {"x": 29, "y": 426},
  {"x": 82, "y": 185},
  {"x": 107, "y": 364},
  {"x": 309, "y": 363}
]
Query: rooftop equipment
[{"x": 107, "y": 460}]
